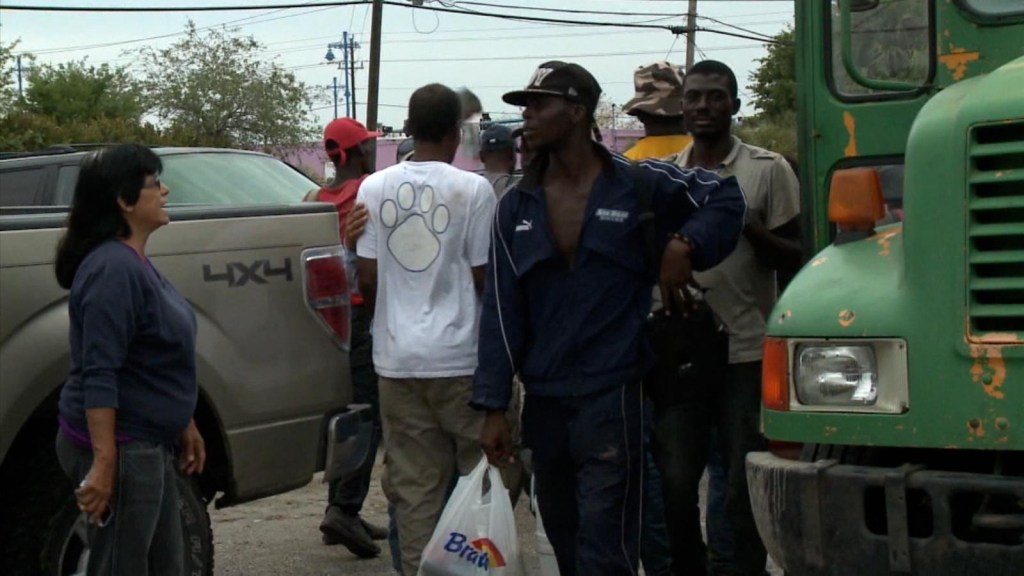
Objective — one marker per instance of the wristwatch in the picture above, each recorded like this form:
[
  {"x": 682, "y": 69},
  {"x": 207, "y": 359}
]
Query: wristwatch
[{"x": 683, "y": 238}]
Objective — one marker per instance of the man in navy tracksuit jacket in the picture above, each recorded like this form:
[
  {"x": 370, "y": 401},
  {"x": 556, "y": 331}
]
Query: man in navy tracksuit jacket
[{"x": 567, "y": 293}]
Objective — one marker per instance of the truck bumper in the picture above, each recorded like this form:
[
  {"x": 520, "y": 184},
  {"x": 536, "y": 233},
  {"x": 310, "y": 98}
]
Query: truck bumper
[
  {"x": 349, "y": 436},
  {"x": 823, "y": 518}
]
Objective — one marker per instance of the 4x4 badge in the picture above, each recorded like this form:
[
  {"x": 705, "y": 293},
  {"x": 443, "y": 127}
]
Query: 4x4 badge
[{"x": 239, "y": 274}]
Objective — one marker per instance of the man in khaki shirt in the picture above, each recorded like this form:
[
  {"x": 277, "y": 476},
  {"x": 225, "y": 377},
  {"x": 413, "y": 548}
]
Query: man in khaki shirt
[{"x": 741, "y": 291}]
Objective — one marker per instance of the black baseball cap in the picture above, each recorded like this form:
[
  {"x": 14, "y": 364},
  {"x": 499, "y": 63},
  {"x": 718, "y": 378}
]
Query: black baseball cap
[{"x": 556, "y": 78}]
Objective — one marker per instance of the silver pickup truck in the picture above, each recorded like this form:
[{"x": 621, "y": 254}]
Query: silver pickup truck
[{"x": 263, "y": 272}]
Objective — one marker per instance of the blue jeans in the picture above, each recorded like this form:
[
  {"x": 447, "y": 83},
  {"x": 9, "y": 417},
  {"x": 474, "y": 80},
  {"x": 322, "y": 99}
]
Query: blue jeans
[
  {"x": 655, "y": 552},
  {"x": 349, "y": 495},
  {"x": 731, "y": 405},
  {"x": 721, "y": 541},
  {"x": 143, "y": 536},
  {"x": 588, "y": 457}
]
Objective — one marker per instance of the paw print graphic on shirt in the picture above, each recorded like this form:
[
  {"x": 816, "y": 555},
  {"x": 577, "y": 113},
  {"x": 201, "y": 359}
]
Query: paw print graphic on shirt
[{"x": 416, "y": 221}]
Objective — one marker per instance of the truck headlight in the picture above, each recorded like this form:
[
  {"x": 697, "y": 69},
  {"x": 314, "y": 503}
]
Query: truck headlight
[
  {"x": 848, "y": 375},
  {"x": 836, "y": 375}
]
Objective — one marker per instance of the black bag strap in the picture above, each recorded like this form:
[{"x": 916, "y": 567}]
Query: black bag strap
[{"x": 648, "y": 228}]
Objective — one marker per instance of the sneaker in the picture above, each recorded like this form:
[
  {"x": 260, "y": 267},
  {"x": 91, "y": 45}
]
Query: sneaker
[
  {"x": 340, "y": 528},
  {"x": 375, "y": 532}
]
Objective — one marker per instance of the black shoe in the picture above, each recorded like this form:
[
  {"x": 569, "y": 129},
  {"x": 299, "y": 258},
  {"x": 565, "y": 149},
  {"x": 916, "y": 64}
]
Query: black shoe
[
  {"x": 340, "y": 528},
  {"x": 375, "y": 532}
]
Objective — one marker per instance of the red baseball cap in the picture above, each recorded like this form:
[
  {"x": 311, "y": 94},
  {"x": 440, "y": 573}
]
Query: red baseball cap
[{"x": 344, "y": 133}]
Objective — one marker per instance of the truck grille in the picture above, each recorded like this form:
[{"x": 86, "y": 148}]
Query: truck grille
[{"x": 995, "y": 231}]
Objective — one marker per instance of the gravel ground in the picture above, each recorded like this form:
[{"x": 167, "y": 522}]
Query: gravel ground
[{"x": 280, "y": 536}]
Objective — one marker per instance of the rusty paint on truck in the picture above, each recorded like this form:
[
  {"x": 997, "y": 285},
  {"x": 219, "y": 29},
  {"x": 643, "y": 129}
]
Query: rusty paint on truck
[{"x": 989, "y": 369}]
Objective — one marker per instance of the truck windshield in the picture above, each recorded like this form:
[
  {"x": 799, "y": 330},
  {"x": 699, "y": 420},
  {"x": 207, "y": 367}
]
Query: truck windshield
[
  {"x": 232, "y": 178},
  {"x": 889, "y": 41}
]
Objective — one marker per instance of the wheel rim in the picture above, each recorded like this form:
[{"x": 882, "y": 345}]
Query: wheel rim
[{"x": 74, "y": 555}]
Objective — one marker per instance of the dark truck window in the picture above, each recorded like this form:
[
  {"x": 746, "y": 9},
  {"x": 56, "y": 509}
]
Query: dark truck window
[
  {"x": 232, "y": 178},
  {"x": 19, "y": 187}
]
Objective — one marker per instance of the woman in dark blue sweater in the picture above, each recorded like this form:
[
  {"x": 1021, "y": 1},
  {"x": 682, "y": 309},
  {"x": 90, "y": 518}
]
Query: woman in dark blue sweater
[{"x": 126, "y": 408}]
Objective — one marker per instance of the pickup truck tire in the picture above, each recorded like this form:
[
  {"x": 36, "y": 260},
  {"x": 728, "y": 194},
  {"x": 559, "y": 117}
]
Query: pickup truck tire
[{"x": 65, "y": 553}]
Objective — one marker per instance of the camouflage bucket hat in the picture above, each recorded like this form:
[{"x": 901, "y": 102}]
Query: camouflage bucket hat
[{"x": 659, "y": 90}]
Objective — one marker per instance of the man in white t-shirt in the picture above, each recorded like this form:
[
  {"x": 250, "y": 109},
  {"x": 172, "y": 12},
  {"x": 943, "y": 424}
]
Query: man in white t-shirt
[{"x": 421, "y": 270}]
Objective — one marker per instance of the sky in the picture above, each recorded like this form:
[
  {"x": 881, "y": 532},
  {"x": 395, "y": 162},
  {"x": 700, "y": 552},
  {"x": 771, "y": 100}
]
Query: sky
[{"x": 488, "y": 55}]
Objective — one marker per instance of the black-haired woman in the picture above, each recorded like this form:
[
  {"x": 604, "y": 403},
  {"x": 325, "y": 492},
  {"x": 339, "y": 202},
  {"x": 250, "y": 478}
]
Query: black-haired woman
[{"x": 127, "y": 405}]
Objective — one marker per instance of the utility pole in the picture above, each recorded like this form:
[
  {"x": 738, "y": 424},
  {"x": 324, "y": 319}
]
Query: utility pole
[
  {"x": 330, "y": 57},
  {"x": 374, "y": 82},
  {"x": 344, "y": 71},
  {"x": 20, "y": 94},
  {"x": 691, "y": 32},
  {"x": 352, "y": 73},
  {"x": 335, "y": 97}
]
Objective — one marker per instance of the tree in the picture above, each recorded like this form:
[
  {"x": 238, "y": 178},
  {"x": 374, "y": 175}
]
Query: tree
[
  {"x": 216, "y": 89},
  {"x": 8, "y": 92},
  {"x": 77, "y": 92},
  {"x": 73, "y": 103},
  {"x": 609, "y": 115},
  {"x": 774, "y": 82},
  {"x": 775, "y": 133}
]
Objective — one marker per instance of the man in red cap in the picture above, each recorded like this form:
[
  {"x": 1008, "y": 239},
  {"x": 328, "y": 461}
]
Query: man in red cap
[{"x": 344, "y": 141}]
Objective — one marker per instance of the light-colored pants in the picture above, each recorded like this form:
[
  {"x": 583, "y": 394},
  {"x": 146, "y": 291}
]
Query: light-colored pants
[{"x": 429, "y": 432}]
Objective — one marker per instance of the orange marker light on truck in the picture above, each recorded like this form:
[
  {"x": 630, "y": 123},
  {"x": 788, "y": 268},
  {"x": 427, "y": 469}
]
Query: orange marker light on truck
[
  {"x": 775, "y": 374},
  {"x": 855, "y": 200}
]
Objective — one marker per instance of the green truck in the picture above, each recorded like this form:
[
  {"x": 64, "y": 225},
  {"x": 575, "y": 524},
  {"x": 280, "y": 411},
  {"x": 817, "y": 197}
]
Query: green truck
[{"x": 896, "y": 356}]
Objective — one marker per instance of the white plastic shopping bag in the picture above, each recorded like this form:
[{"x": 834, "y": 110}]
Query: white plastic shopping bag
[{"x": 476, "y": 535}]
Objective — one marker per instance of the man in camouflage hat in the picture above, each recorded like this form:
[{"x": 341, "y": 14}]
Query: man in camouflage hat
[{"x": 658, "y": 106}]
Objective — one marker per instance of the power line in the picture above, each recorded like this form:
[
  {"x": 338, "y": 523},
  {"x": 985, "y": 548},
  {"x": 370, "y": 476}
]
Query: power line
[
  {"x": 387, "y": 38},
  {"x": 733, "y": 26},
  {"x": 570, "y": 11},
  {"x": 522, "y": 57},
  {"x": 673, "y": 29},
  {"x": 133, "y": 9},
  {"x": 336, "y": 3},
  {"x": 172, "y": 34},
  {"x": 432, "y": 40}
]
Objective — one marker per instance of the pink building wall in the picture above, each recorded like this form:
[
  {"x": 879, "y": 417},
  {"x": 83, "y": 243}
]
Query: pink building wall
[{"x": 312, "y": 159}]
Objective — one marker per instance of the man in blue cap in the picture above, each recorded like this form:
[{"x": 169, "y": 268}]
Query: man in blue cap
[{"x": 498, "y": 154}]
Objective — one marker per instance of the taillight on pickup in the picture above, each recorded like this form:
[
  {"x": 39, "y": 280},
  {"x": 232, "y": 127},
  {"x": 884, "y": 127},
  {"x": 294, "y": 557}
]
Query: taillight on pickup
[{"x": 325, "y": 284}]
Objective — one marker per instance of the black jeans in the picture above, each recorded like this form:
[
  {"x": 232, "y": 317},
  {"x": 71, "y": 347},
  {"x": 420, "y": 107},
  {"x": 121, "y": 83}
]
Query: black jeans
[
  {"x": 143, "y": 536},
  {"x": 588, "y": 455},
  {"x": 349, "y": 495},
  {"x": 732, "y": 405}
]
